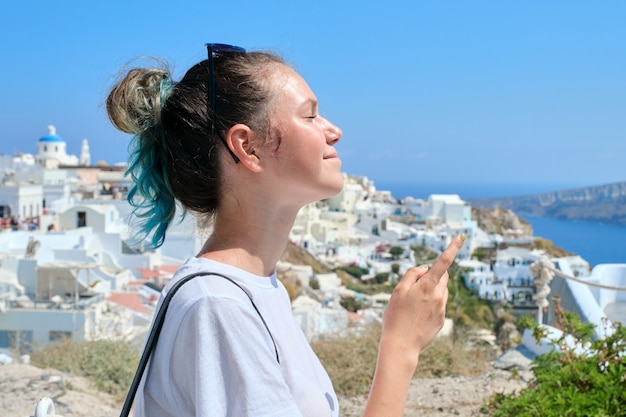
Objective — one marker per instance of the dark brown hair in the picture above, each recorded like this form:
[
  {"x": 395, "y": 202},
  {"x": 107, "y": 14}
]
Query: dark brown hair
[{"x": 173, "y": 155}]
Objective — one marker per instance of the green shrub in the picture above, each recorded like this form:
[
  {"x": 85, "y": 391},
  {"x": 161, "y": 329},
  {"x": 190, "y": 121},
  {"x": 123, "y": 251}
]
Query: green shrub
[
  {"x": 355, "y": 271},
  {"x": 569, "y": 382},
  {"x": 396, "y": 251},
  {"x": 371, "y": 289},
  {"x": 381, "y": 277},
  {"x": 351, "y": 304},
  {"x": 314, "y": 283},
  {"x": 479, "y": 254},
  {"x": 109, "y": 364}
]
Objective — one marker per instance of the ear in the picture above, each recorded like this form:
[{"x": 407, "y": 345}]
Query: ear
[{"x": 240, "y": 139}]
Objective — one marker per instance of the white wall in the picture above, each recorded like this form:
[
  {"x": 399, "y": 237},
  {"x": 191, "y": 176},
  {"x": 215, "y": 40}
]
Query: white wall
[
  {"x": 42, "y": 321},
  {"x": 613, "y": 275},
  {"x": 24, "y": 200}
]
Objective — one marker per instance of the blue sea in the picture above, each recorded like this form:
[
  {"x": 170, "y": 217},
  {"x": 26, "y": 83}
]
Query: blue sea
[{"x": 597, "y": 243}]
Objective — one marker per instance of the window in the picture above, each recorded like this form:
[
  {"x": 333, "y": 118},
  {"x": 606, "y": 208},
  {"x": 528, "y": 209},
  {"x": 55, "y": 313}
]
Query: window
[
  {"x": 26, "y": 340},
  {"x": 81, "y": 219},
  {"x": 58, "y": 335},
  {"x": 11, "y": 339},
  {"x": 8, "y": 338}
]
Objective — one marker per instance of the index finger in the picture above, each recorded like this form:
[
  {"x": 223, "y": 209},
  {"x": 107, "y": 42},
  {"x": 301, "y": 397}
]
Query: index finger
[{"x": 447, "y": 257}]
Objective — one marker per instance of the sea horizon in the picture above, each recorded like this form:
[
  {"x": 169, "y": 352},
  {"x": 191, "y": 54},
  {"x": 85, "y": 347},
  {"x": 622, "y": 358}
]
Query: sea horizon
[
  {"x": 470, "y": 190},
  {"x": 596, "y": 242}
]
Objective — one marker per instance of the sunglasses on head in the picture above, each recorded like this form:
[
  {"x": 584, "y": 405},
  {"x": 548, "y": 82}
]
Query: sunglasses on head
[{"x": 215, "y": 50}]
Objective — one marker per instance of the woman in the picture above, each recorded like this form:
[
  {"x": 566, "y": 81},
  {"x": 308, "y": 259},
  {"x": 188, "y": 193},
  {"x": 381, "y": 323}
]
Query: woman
[{"x": 240, "y": 139}]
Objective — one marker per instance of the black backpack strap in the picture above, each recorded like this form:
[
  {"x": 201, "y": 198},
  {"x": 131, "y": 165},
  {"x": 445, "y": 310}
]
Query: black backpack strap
[{"x": 156, "y": 330}]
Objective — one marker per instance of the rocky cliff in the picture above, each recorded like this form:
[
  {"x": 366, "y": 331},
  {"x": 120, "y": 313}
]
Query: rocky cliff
[
  {"x": 601, "y": 203},
  {"x": 500, "y": 221}
]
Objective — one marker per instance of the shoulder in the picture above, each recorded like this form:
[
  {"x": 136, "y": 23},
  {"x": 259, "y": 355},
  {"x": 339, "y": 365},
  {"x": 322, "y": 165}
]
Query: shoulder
[
  {"x": 219, "y": 283},
  {"x": 196, "y": 281},
  {"x": 217, "y": 274}
]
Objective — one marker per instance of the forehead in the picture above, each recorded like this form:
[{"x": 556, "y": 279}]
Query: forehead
[{"x": 290, "y": 88}]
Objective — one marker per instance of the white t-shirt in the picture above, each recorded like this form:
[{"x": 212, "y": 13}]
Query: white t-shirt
[{"x": 214, "y": 356}]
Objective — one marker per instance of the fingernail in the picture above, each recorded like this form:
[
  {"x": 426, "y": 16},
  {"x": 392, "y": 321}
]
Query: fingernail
[
  {"x": 424, "y": 266},
  {"x": 463, "y": 237}
]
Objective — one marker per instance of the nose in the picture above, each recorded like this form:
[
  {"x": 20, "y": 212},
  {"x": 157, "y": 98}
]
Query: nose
[{"x": 333, "y": 133}]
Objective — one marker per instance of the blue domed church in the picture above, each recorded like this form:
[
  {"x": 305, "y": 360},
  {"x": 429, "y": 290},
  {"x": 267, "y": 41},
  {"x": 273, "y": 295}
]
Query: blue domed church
[{"x": 51, "y": 151}]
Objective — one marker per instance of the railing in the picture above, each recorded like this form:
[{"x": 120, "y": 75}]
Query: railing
[{"x": 561, "y": 274}]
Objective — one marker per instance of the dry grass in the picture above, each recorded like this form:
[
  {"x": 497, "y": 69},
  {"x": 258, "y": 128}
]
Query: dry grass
[
  {"x": 350, "y": 359},
  {"x": 299, "y": 256},
  {"x": 444, "y": 358}
]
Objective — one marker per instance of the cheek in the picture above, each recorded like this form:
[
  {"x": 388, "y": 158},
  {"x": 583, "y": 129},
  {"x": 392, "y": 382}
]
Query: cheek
[
  {"x": 270, "y": 144},
  {"x": 295, "y": 140}
]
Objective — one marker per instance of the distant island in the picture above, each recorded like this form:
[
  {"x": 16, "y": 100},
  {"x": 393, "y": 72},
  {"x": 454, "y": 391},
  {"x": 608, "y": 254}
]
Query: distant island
[{"x": 600, "y": 203}]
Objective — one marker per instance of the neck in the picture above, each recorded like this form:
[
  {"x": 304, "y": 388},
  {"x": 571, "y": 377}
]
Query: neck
[{"x": 252, "y": 240}]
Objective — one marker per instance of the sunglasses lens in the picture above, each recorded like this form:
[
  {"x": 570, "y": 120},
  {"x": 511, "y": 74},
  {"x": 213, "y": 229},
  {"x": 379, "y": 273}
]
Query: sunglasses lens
[
  {"x": 219, "y": 48},
  {"x": 214, "y": 49}
]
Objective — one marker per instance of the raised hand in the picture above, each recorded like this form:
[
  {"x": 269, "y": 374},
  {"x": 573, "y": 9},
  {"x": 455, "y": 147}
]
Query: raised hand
[
  {"x": 416, "y": 310},
  {"x": 415, "y": 313}
]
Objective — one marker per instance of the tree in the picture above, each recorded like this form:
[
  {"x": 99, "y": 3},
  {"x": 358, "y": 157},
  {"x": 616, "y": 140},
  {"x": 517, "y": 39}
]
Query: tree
[
  {"x": 314, "y": 283},
  {"x": 479, "y": 254},
  {"x": 351, "y": 304},
  {"x": 396, "y": 251},
  {"x": 381, "y": 277}
]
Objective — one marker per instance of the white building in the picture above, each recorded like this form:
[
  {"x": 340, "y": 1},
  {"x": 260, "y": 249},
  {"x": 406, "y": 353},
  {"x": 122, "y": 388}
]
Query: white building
[
  {"x": 52, "y": 152},
  {"x": 23, "y": 201},
  {"x": 54, "y": 284},
  {"x": 595, "y": 297},
  {"x": 42, "y": 303},
  {"x": 479, "y": 277},
  {"x": 508, "y": 279},
  {"x": 449, "y": 209},
  {"x": 316, "y": 319},
  {"x": 103, "y": 218}
]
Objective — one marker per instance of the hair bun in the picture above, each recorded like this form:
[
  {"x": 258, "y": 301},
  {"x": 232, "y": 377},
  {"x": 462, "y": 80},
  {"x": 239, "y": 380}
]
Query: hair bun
[{"x": 134, "y": 104}]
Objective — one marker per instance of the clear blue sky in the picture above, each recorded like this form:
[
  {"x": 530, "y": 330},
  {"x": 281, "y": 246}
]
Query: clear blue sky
[{"x": 425, "y": 91}]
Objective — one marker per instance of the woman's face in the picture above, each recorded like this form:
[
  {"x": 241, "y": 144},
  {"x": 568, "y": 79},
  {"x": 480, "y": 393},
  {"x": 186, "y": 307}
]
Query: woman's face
[{"x": 302, "y": 156}]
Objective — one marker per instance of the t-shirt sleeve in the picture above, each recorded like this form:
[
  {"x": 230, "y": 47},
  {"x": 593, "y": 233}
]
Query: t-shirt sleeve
[{"x": 223, "y": 362}]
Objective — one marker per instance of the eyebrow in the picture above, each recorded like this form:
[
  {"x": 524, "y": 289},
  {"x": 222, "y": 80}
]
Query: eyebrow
[{"x": 309, "y": 101}]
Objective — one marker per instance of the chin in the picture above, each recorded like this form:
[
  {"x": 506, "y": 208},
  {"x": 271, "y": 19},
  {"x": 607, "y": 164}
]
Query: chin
[
  {"x": 335, "y": 188},
  {"x": 339, "y": 186}
]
